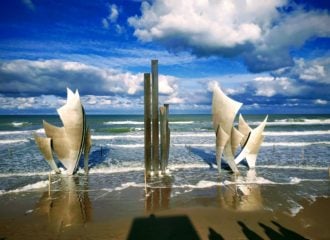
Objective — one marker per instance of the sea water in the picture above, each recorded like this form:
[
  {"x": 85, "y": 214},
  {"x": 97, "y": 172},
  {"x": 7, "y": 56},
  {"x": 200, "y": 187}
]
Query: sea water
[{"x": 295, "y": 150}]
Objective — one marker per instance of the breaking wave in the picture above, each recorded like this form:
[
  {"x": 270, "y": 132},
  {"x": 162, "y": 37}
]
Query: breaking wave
[
  {"x": 37, "y": 185},
  {"x": 297, "y": 122},
  {"x": 141, "y": 122},
  {"x": 12, "y": 141},
  {"x": 20, "y": 124}
]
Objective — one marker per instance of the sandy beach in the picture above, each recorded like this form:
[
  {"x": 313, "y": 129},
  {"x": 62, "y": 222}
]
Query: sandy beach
[{"x": 208, "y": 213}]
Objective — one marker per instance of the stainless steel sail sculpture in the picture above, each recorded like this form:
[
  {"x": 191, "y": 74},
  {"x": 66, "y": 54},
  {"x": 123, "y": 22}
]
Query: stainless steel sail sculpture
[
  {"x": 67, "y": 142},
  {"x": 228, "y": 138},
  {"x": 224, "y": 110},
  {"x": 252, "y": 144}
]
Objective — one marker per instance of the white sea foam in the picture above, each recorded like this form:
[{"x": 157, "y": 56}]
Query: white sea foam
[
  {"x": 109, "y": 137},
  {"x": 19, "y": 124},
  {"x": 312, "y": 168},
  {"x": 294, "y": 144},
  {"x": 240, "y": 181},
  {"x": 295, "y": 209},
  {"x": 14, "y": 132},
  {"x": 41, "y": 130},
  {"x": 193, "y": 134},
  {"x": 123, "y": 123},
  {"x": 205, "y": 135},
  {"x": 194, "y": 145},
  {"x": 182, "y": 122},
  {"x": 265, "y": 144},
  {"x": 246, "y": 181},
  {"x": 174, "y": 166},
  {"x": 297, "y": 122},
  {"x": 109, "y": 170},
  {"x": 295, "y": 180},
  {"x": 12, "y": 141},
  {"x": 297, "y": 133},
  {"x": 26, "y": 188},
  {"x": 126, "y": 145},
  {"x": 141, "y": 122},
  {"x": 124, "y": 186}
]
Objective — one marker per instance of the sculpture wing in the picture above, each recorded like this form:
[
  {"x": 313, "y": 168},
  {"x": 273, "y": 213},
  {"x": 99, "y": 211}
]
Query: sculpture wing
[
  {"x": 221, "y": 140},
  {"x": 44, "y": 145},
  {"x": 252, "y": 145},
  {"x": 236, "y": 138},
  {"x": 224, "y": 110},
  {"x": 244, "y": 128}
]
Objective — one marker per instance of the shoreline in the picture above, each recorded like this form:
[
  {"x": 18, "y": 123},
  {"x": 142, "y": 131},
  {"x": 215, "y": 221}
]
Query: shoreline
[{"x": 209, "y": 213}]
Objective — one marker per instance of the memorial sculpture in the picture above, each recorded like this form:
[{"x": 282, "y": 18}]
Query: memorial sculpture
[
  {"x": 229, "y": 138},
  {"x": 71, "y": 140}
]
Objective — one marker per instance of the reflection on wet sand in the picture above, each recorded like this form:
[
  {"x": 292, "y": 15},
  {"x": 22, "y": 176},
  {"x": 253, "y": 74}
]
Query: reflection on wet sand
[
  {"x": 158, "y": 196},
  {"x": 243, "y": 195},
  {"x": 69, "y": 205}
]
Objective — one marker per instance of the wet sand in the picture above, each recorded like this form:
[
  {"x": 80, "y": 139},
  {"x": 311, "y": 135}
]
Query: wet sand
[{"x": 210, "y": 213}]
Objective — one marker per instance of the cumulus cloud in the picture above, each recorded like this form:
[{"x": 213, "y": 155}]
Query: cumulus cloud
[
  {"x": 292, "y": 31},
  {"x": 28, "y": 84},
  {"x": 308, "y": 71},
  {"x": 270, "y": 86},
  {"x": 167, "y": 84},
  {"x": 260, "y": 31},
  {"x": 27, "y": 77}
]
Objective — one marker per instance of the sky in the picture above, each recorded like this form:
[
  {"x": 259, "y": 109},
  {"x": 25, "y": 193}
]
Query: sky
[{"x": 273, "y": 56}]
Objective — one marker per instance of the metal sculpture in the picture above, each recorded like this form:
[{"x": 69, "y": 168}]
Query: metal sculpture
[
  {"x": 228, "y": 138},
  {"x": 71, "y": 140}
]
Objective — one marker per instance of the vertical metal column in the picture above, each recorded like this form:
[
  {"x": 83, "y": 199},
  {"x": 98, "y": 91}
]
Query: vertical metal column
[
  {"x": 162, "y": 139},
  {"x": 155, "y": 124},
  {"x": 168, "y": 135},
  {"x": 147, "y": 123}
]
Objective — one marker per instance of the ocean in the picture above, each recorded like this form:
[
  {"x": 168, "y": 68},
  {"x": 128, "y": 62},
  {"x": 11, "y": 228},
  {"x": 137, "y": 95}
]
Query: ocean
[{"x": 295, "y": 152}]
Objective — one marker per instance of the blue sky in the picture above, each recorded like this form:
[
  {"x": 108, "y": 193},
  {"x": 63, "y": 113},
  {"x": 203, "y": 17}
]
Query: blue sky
[{"x": 274, "y": 56}]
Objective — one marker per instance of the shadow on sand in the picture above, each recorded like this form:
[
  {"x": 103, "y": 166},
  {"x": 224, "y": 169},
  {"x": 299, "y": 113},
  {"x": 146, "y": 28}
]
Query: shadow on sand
[
  {"x": 283, "y": 234},
  {"x": 213, "y": 235},
  {"x": 161, "y": 228}
]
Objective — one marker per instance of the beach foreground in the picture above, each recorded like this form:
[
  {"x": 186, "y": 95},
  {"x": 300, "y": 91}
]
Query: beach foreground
[{"x": 217, "y": 212}]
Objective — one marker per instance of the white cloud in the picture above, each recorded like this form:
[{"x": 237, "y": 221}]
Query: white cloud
[
  {"x": 270, "y": 86},
  {"x": 113, "y": 13},
  {"x": 174, "y": 99},
  {"x": 291, "y": 32},
  {"x": 320, "y": 102},
  {"x": 52, "y": 76},
  {"x": 256, "y": 29},
  {"x": 211, "y": 85},
  {"x": 167, "y": 84},
  {"x": 112, "y": 17},
  {"x": 308, "y": 71},
  {"x": 40, "y": 102},
  {"x": 214, "y": 24},
  {"x": 43, "y": 81}
]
